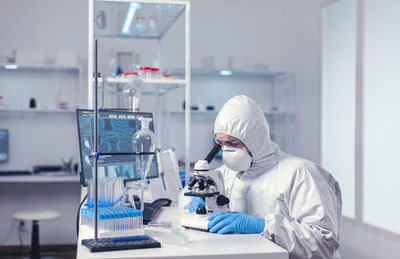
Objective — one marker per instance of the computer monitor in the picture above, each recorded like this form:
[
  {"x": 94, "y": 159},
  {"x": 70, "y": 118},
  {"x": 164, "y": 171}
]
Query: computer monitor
[
  {"x": 116, "y": 129},
  {"x": 3, "y": 145}
]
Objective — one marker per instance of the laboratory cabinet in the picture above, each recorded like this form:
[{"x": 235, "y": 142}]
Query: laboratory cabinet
[{"x": 120, "y": 26}]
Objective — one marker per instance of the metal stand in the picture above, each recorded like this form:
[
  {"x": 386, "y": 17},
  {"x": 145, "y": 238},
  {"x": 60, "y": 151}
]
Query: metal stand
[{"x": 96, "y": 148}]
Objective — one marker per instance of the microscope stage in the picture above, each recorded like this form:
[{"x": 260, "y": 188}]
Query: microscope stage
[{"x": 196, "y": 221}]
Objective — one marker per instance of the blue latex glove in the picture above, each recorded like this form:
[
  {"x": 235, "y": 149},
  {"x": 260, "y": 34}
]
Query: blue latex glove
[
  {"x": 225, "y": 222},
  {"x": 195, "y": 203}
]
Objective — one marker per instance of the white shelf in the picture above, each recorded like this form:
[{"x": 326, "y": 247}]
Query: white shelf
[
  {"x": 195, "y": 112},
  {"x": 228, "y": 73},
  {"x": 54, "y": 67},
  {"x": 39, "y": 179},
  {"x": 16, "y": 67},
  {"x": 67, "y": 111},
  {"x": 275, "y": 113}
]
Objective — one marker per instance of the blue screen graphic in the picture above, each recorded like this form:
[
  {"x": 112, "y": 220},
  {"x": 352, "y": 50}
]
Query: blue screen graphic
[{"x": 116, "y": 130}]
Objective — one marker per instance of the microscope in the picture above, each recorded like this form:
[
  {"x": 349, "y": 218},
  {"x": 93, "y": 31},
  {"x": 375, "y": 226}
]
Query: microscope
[{"x": 209, "y": 185}]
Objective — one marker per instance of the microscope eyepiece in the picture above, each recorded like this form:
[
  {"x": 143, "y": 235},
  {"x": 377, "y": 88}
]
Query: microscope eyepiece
[{"x": 214, "y": 151}]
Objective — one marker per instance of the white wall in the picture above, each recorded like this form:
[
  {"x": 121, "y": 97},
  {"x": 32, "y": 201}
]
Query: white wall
[
  {"x": 282, "y": 33},
  {"x": 366, "y": 242},
  {"x": 46, "y": 24},
  {"x": 43, "y": 138}
]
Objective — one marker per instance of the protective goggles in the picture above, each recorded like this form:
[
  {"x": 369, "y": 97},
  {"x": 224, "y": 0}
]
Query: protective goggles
[{"x": 234, "y": 142}]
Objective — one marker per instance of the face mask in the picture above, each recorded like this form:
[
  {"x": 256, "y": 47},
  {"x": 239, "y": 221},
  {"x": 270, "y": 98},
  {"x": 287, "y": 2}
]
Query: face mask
[{"x": 236, "y": 159}]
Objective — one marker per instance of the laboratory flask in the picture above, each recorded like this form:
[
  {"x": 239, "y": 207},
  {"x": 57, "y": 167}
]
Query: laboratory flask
[{"x": 144, "y": 144}]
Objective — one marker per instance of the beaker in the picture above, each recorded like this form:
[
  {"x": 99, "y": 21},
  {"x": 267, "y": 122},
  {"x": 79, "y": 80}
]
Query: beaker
[{"x": 132, "y": 95}]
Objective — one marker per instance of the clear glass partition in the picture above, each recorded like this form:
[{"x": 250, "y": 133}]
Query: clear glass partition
[{"x": 338, "y": 97}]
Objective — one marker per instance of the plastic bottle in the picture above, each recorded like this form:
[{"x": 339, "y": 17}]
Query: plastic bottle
[
  {"x": 144, "y": 72},
  {"x": 155, "y": 73},
  {"x": 152, "y": 24},
  {"x": 140, "y": 25},
  {"x": 112, "y": 67}
]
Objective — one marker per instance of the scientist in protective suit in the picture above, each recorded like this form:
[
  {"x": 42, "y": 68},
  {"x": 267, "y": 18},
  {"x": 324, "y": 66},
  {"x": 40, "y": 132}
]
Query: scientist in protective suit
[{"x": 291, "y": 201}]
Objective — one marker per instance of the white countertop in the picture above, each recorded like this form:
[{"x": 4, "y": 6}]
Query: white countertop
[{"x": 200, "y": 245}]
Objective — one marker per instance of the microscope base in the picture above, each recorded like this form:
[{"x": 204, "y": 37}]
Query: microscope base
[{"x": 195, "y": 221}]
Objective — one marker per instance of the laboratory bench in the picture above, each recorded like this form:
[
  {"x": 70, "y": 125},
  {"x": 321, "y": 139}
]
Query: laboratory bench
[{"x": 200, "y": 245}]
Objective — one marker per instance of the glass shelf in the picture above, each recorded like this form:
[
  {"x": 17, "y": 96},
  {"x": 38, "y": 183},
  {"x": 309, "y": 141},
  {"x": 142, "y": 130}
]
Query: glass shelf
[
  {"x": 148, "y": 86},
  {"x": 225, "y": 73},
  {"x": 138, "y": 19},
  {"x": 162, "y": 81}
]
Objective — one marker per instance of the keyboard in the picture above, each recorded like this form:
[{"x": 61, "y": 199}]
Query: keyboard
[
  {"x": 150, "y": 212},
  {"x": 14, "y": 172},
  {"x": 123, "y": 243}
]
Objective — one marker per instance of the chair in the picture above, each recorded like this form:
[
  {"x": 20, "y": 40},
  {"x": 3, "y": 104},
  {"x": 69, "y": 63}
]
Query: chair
[{"x": 35, "y": 216}]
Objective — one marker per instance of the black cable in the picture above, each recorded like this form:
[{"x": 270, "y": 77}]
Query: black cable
[
  {"x": 7, "y": 253},
  {"x": 77, "y": 216},
  {"x": 19, "y": 235}
]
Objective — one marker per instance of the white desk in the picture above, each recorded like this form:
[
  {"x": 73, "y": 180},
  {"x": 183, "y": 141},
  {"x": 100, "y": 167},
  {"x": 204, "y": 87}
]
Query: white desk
[{"x": 200, "y": 245}]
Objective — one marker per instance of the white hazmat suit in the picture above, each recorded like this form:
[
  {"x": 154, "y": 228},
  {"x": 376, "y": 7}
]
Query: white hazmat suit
[{"x": 300, "y": 201}]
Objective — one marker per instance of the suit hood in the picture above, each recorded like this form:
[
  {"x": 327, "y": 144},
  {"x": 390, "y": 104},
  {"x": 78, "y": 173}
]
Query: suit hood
[{"x": 241, "y": 117}]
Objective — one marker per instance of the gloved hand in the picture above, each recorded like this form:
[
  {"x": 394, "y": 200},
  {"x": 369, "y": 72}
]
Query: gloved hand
[
  {"x": 225, "y": 222},
  {"x": 195, "y": 203}
]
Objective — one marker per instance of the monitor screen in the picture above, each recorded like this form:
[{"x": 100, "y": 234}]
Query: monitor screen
[
  {"x": 116, "y": 130},
  {"x": 3, "y": 145}
]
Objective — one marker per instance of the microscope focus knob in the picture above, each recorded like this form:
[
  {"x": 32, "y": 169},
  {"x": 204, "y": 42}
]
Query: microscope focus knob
[
  {"x": 201, "y": 210},
  {"x": 222, "y": 200}
]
